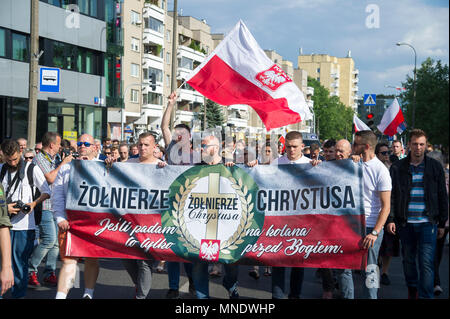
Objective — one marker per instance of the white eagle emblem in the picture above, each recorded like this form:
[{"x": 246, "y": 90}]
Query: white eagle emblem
[
  {"x": 209, "y": 250},
  {"x": 273, "y": 77}
]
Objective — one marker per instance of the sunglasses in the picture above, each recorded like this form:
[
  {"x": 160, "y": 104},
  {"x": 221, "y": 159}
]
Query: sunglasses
[
  {"x": 29, "y": 157},
  {"x": 385, "y": 153},
  {"x": 107, "y": 153},
  {"x": 87, "y": 144}
]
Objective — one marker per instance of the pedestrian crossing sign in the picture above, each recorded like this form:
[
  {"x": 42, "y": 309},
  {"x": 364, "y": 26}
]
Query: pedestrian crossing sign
[{"x": 370, "y": 99}]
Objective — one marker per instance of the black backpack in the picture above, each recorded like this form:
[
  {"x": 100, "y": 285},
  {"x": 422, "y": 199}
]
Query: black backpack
[{"x": 36, "y": 193}]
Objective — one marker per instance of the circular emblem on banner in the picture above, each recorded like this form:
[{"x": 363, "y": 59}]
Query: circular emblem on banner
[{"x": 214, "y": 211}]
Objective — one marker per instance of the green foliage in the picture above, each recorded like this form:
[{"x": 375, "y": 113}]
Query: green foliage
[
  {"x": 333, "y": 118},
  {"x": 214, "y": 115},
  {"x": 432, "y": 102}
]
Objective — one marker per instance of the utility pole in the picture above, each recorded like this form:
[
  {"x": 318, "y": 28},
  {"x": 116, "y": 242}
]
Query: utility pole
[
  {"x": 174, "y": 59},
  {"x": 33, "y": 72}
]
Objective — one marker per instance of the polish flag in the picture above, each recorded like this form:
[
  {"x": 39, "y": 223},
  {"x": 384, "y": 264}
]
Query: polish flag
[
  {"x": 282, "y": 140},
  {"x": 239, "y": 72},
  {"x": 392, "y": 121},
  {"x": 359, "y": 125}
]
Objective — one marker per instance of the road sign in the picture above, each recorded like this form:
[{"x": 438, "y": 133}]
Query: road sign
[
  {"x": 370, "y": 99},
  {"x": 49, "y": 80}
]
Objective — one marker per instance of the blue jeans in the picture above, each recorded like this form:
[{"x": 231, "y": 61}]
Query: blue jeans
[
  {"x": 371, "y": 275},
  {"x": 48, "y": 245},
  {"x": 279, "y": 280},
  {"x": 419, "y": 240},
  {"x": 200, "y": 275},
  {"x": 173, "y": 271},
  {"x": 22, "y": 243}
]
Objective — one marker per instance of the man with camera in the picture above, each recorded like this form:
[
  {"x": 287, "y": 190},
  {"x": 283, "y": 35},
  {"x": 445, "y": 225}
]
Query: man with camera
[
  {"x": 86, "y": 151},
  {"x": 49, "y": 161},
  {"x": 20, "y": 180}
]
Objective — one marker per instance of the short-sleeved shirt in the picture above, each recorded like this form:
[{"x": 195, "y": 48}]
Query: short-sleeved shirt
[
  {"x": 4, "y": 217},
  {"x": 285, "y": 160},
  {"x": 47, "y": 163},
  {"x": 23, "y": 192},
  {"x": 376, "y": 179}
]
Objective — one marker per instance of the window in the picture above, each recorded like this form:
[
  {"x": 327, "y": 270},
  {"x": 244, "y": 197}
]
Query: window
[
  {"x": 2, "y": 42},
  {"x": 135, "y": 44},
  {"x": 135, "y": 70},
  {"x": 159, "y": 74},
  {"x": 154, "y": 98},
  {"x": 167, "y": 80},
  {"x": 20, "y": 47},
  {"x": 135, "y": 17},
  {"x": 134, "y": 96},
  {"x": 168, "y": 38},
  {"x": 167, "y": 57},
  {"x": 186, "y": 63},
  {"x": 156, "y": 25}
]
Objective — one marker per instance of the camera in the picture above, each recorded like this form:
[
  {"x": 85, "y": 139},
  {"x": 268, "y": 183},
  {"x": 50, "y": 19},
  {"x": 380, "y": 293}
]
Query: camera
[
  {"x": 66, "y": 151},
  {"x": 75, "y": 154},
  {"x": 22, "y": 206}
]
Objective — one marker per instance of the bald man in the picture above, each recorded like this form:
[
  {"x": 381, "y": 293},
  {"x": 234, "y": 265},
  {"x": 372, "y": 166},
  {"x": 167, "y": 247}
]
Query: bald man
[
  {"x": 343, "y": 149},
  {"x": 87, "y": 151}
]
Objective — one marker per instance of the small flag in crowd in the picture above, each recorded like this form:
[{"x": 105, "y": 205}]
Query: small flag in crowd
[
  {"x": 282, "y": 140},
  {"x": 359, "y": 125},
  {"x": 239, "y": 72},
  {"x": 393, "y": 121}
]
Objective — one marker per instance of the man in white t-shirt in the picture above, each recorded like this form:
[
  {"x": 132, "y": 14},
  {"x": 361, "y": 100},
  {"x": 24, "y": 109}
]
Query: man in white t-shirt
[
  {"x": 293, "y": 155},
  {"x": 377, "y": 187},
  {"x": 16, "y": 183}
]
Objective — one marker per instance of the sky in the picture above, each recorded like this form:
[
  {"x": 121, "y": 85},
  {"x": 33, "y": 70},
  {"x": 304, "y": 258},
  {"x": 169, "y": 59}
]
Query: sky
[{"x": 368, "y": 28}]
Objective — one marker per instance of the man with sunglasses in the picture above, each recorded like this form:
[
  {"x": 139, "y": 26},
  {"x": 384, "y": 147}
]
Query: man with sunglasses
[
  {"x": 87, "y": 151},
  {"x": 382, "y": 152},
  {"x": 377, "y": 187},
  {"x": 49, "y": 161}
]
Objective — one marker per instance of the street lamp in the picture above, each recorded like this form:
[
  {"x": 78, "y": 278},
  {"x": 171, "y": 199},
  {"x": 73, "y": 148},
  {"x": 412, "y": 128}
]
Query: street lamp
[{"x": 414, "y": 82}]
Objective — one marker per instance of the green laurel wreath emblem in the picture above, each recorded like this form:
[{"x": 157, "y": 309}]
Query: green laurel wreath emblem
[{"x": 245, "y": 189}]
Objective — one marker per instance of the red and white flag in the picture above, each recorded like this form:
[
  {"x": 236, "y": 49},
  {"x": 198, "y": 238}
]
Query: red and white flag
[
  {"x": 239, "y": 72},
  {"x": 359, "y": 125},
  {"x": 393, "y": 121}
]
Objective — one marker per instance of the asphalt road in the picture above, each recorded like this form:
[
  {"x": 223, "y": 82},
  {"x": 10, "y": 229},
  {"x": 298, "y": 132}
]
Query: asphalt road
[{"x": 114, "y": 283}]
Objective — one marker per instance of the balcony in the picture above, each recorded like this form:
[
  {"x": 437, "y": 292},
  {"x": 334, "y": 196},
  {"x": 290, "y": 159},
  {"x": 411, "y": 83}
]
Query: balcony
[
  {"x": 152, "y": 37},
  {"x": 335, "y": 93},
  {"x": 153, "y": 110},
  {"x": 335, "y": 85},
  {"x": 355, "y": 89},
  {"x": 184, "y": 116},
  {"x": 239, "y": 107},
  {"x": 335, "y": 75},
  {"x": 191, "y": 96},
  {"x": 309, "y": 90},
  {"x": 355, "y": 80},
  {"x": 356, "y": 71},
  {"x": 310, "y": 103},
  {"x": 237, "y": 122},
  {"x": 190, "y": 53},
  {"x": 151, "y": 9}
]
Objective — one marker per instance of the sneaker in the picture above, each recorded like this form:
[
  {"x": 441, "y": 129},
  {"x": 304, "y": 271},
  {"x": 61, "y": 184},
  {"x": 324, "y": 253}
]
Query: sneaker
[
  {"x": 438, "y": 290},
  {"x": 385, "y": 280},
  {"x": 234, "y": 294},
  {"x": 413, "y": 293},
  {"x": 254, "y": 274},
  {"x": 327, "y": 295},
  {"x": 191, "y": 287},
  {"x": 51, "y": 280},
  {"x": 33, "y": 281},
  {"x": 173, "y": 294}
]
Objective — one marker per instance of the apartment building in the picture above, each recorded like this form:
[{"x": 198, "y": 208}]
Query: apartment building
[
  {"x": 338, "y": 75},
  {"x": 72, "y": 41}
]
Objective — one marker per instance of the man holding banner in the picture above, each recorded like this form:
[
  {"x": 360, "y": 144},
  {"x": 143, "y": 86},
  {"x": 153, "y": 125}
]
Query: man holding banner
[
  {"x": 377, "y": 187},
  {"x": 66, "y": 280}
]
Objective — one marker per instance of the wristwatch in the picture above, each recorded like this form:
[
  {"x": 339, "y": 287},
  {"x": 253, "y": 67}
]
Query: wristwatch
[{"x": 374, "y": 232}]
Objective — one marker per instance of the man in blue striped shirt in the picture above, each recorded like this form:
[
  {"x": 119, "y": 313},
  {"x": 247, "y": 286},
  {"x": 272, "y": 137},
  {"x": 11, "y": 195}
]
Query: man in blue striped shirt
[{"x": 419, "y": 211}]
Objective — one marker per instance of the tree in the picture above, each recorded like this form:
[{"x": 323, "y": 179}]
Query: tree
[
  {"x": 214, "y": 115},
  {"x": 432, "y": 103},
  {"x": 333, "y": 118}
]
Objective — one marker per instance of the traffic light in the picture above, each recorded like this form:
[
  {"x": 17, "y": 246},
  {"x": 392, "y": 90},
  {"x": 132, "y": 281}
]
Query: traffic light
[
  {"x": 153, "y": 81},
  {"x": 369, "y": 118}
]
